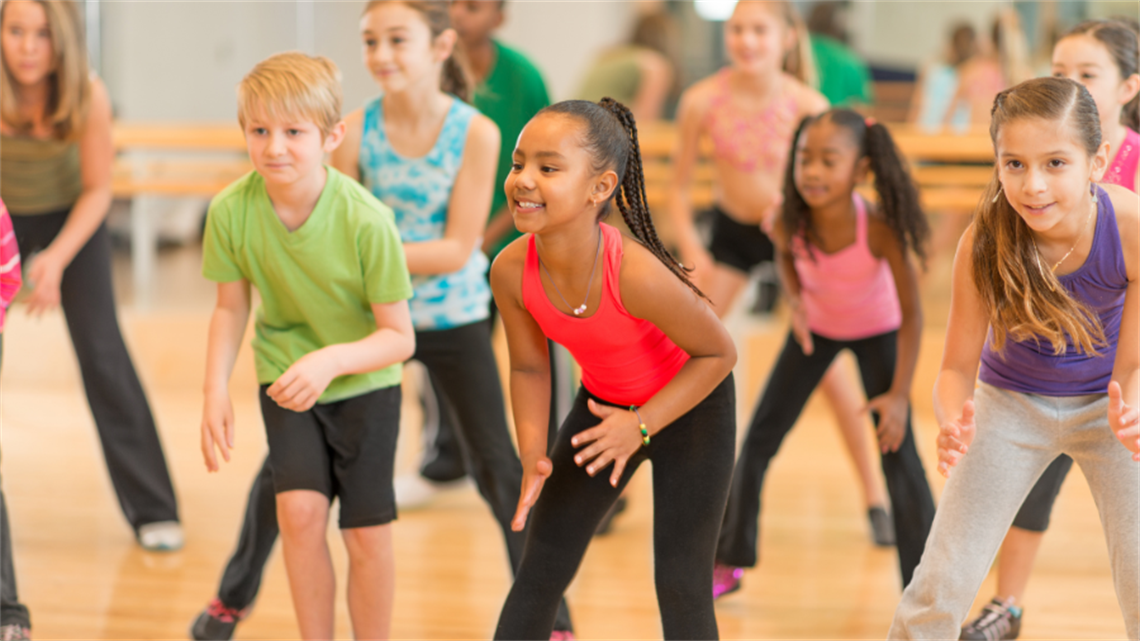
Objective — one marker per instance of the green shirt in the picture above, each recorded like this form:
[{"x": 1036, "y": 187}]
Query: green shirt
[
  {"x": 510, "y": 96},
  {"x": 843, "y": 77},
  {"x": 317, "y": 283}
]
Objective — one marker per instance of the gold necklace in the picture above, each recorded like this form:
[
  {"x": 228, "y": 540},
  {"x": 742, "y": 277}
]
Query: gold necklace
[{"x": 1037, "y": 250}]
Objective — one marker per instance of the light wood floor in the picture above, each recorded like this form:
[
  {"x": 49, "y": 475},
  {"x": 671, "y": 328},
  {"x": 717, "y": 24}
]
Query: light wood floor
[{"x": 83, "y": 576}]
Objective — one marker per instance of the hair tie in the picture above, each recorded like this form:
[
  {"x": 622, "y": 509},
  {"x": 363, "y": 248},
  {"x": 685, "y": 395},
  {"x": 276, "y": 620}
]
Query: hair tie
[{"x": 869, "y": 121}]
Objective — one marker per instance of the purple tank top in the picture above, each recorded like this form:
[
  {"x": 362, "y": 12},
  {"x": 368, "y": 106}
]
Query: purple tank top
[{"x": 1100, "y": 283}]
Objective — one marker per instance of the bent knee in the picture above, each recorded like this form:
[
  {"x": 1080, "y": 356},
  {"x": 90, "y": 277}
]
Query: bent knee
[{"x": 302, "y": 511}]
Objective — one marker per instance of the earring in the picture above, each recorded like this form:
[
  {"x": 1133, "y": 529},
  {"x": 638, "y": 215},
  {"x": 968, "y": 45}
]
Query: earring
[
  {"x": 997, "y": 195},
  {"x": 1092, "y": 188}
]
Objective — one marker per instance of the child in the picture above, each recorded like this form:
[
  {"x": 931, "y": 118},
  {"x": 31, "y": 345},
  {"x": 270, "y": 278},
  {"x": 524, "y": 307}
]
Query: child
[
  {"x": 429, "y": 155},
  {"x": 1101, "y": 55},
  {"x": 656, "y": 370},
  {"x": 56, "y": 156},
  {"x": 851, "y": 285},
  {"x": 15, "y": 623},
  {"x": 750, "y": 110},
  {"x": 1044, "y": 296},
  {"x": 330, "y": 335}
]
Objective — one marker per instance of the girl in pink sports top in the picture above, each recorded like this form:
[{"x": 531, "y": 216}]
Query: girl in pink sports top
[
  {"x": 1102, "y": 56},
  {"x": 848, "y": 275},
  {"x": 749, "y": 111},
  {"x": 656, "y": 370}
]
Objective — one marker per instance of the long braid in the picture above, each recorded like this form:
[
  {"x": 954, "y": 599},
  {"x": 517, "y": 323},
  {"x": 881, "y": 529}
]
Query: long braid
[{"x": 631, "y": 198}]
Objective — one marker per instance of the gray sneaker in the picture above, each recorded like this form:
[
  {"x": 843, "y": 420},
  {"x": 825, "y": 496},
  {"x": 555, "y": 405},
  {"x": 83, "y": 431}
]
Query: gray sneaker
[
  {"x": 216, "y": 622},
  {"x": 998, "y": 621},
  {"x": 14, "y": 632}
]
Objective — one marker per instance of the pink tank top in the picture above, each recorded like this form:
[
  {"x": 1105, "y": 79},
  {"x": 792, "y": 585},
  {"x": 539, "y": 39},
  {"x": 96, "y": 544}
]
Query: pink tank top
[
  {"x": 751, "y": 140},
  {"x": 850, "y": 294},
  {"x": 624, "y": 360},
  {"x": 1122, "y": 171}
]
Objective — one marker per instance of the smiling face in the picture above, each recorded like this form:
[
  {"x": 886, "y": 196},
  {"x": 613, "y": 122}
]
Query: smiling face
[
  {"x": 828, "y": 164},
  {"x": 25, "y": 39},
  {"x": 399, "y": 49},
  {"x": 286, "y": 149},
  {"x": 1045, "y": 171},
  {"x": 1086, "y": 60},
  {"x": 552, "y": 180},
  {"x": 757, "y": 37}
]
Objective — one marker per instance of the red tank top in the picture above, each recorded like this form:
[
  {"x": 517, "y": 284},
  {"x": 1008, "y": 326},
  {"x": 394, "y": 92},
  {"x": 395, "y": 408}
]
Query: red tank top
[{"x": 624, "y": 360}]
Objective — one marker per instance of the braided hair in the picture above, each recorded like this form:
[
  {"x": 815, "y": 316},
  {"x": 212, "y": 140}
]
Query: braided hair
[
  {"x": 611, "y": 139},
  {"x": 898, "y": 196}
]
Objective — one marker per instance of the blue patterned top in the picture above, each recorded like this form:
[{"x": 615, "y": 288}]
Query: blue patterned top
[{"x": 419, "y": 190}]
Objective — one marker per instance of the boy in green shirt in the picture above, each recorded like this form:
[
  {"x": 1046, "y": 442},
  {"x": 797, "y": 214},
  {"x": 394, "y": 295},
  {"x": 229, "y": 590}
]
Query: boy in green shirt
[{"x": 330, "y": 336}]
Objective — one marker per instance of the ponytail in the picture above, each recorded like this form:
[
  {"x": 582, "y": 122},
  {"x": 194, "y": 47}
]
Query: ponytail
[
  {"x": 898, "y": 197},
  {"x": 456, "y": 75},
  {"x": 611, "y": 140}
]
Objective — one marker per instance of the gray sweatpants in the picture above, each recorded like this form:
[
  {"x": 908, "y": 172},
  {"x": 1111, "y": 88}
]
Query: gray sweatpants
[{"x": 1018, "y": 436}]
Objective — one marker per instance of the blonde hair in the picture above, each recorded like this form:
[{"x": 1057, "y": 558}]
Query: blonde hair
[
  {"x": 1023, "y": 300},
  {"x": 293, "y": 84},
  {"x": 798, "y": 62},
  {"x": 456, "y": 77},
  {"x": 69, "y": 91}
]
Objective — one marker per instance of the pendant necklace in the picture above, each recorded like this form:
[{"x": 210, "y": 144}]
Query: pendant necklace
[
  {"x": 1037, "y": 250},
  {"x": 581, "y": 308}
]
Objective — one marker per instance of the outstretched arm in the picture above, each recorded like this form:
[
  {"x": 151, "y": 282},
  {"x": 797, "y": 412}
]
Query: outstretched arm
[{"x": 227, "y": 326}]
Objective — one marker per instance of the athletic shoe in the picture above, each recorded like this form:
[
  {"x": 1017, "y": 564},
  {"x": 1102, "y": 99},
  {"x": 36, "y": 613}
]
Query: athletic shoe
[
  {"x": 998, "y": 621},
  {"x": 216, "y": 622},
  {"x": 15, "y": 632},
  {"x": 608, "y": 520},
  {"x": 882, "y": 528},
  {"x": 726, "y": 579},
  {"x": 562, "y": 635},
  {"x": 161, "y": 536},
  {"x": 414, "y": 491}
]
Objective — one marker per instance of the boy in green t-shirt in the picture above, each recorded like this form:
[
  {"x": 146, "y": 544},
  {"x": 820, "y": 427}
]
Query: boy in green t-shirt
[{"x": 330, "y": 336}]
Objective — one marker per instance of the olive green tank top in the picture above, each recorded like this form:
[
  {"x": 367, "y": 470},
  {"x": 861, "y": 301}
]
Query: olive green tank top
[
  {"x": 615, "y": 74},
  {"x": 38, "y": 176}
]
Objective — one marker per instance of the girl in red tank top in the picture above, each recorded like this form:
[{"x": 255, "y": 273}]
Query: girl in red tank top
[{"x": 656, "y": 370}]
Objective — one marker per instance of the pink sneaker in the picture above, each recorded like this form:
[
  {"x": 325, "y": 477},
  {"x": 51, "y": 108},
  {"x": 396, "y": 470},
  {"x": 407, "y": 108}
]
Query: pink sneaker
[
  {"x": 562, "y": 635},
  {"x": 726, "y": 579}
]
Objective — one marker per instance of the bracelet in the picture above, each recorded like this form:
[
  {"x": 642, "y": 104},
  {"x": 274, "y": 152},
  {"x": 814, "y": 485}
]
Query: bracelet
[{"x": 644, "y": 430}]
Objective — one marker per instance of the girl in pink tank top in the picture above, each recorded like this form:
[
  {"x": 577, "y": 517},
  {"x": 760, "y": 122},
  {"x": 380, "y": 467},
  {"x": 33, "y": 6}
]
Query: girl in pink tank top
[
  {"x": 851, "y": 285},
  {"x": 656, "y": 370}
]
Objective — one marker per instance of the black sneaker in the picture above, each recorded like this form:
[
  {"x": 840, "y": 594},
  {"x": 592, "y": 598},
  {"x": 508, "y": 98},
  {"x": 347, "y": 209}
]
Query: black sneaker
[
  {"x": 882, "y": 527},
  {"x": 998, "y": 621},
  {"x": 216, "y": 622}
]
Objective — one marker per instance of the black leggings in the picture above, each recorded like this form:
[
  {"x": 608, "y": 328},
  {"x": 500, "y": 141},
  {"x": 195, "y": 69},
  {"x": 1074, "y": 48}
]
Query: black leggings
[
  {"x": 1038, "y": 506},
  {"x": 790, "y": 384},
  {"x": 692, "y": 462},
  {"x": 122, "y": 416},
  {"x": 462, "y": 368}
]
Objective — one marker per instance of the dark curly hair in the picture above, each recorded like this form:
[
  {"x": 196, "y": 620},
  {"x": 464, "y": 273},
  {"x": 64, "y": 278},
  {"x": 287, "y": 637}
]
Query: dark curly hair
[
  {"x": 610, "y": 137},
  {"x": 898, "y": 196}
]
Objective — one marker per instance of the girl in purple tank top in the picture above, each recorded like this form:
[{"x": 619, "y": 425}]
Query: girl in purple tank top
[
  {"x": 1102, "y": 56},
  {"x": 851, "y": 286},
  {"x": 1045, "y": 298}
]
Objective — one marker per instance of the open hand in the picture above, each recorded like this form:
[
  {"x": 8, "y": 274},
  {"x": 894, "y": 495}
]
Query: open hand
[
  {"x": 1124, "y": 420},
  {"x": 954, "y": 438},
  {"x": 217, "y": 428},
  {"x": 613, "y": 440},
  {"x": 303, "y": 383},
  {"x": 44, "y": 275},
  {"x": 892, "y": 411},
  {"x": 534, "y": 476}
]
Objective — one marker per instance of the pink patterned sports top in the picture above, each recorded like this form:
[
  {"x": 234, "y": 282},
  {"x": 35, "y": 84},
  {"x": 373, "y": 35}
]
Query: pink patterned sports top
[
  {"x": 850, "y": 294},
  {"x": 750, "y": 140},
  {"x": 625, "y": 360},
  {"x": 1122, "y": 171}
]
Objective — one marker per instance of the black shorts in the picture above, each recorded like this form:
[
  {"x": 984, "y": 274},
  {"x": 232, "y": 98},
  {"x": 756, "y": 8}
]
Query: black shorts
[
  {"x": 738, "y": 246},
  {"x": 344, "y": 449}
]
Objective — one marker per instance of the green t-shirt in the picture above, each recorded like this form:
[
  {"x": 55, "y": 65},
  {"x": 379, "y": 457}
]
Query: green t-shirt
[
  {"x": 510, "y": 96},
  {"x": 317, "y": 283},
  {"x": 843, "y": 77}
]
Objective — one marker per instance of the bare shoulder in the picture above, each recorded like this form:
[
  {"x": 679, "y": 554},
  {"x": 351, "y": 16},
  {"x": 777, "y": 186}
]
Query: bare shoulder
[
  {"x": 808, "y": 101},
  {"x": 483, "y": 131},
  {"x": 696, "y": 99},
  {"x": 100, "y": 107},
  {"x": 1127, "y": 206},
  {"x": 507, "y": 268},
  {"x": 644, "y": 275}
]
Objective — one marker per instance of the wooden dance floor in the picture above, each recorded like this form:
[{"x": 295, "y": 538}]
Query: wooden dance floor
[{"x": 83, "y": 576}]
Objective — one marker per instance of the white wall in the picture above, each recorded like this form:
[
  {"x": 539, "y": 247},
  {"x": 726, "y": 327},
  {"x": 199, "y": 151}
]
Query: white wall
[
  {"x": 906, "y": 34},
  {"x": 181, "y": 60}
]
